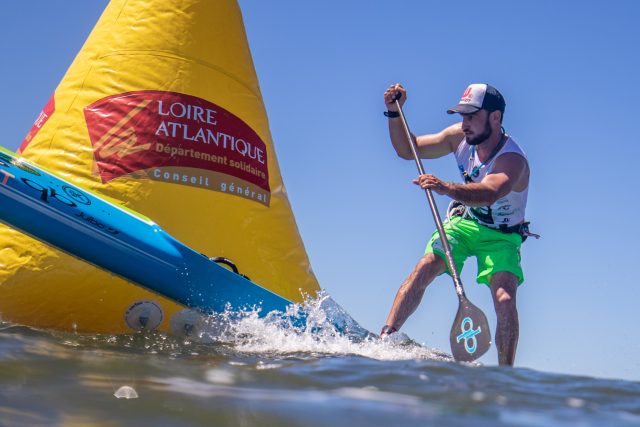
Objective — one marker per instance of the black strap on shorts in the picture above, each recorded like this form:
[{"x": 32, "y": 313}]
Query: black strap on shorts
[
  {"x": 522, "y": 229},
  {"x": 458, "y": 209}
]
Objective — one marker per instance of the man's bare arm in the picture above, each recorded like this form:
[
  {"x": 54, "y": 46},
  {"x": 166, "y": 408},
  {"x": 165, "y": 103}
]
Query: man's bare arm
[
  {"x": 509, "y": 169},
  {"x": 429, "y": 146}
]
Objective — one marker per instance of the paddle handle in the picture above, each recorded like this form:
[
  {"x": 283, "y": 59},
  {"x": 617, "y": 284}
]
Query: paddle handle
[{"x": 432, "y": 204}]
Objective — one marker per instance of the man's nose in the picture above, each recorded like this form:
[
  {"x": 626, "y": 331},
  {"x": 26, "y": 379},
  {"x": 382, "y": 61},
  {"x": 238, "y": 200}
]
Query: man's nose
[{"x": 465, "y": 123}]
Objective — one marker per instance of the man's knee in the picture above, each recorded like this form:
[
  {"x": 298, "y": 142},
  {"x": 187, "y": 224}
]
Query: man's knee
[
  {"x": 430, "y": 263},
  {"x": 504, "y": 286},
  {"x": 428, "y": 267}
]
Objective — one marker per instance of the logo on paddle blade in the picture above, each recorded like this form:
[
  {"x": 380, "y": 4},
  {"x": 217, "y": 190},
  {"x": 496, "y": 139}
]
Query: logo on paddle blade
[{"x": 468, "y": 335}]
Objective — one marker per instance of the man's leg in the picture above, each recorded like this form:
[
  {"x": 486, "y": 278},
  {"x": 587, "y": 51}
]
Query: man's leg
[
  {"x": 412, "y": 289},
  {"x": 503, "y": 289}
]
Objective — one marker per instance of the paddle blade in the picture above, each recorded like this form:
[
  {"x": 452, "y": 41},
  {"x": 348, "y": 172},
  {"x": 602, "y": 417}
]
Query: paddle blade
[{"x": 470, "y": 336}]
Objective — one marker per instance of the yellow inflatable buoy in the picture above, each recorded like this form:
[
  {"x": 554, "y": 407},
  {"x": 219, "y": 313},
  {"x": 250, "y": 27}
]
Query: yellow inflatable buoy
[{"x": 161, "y": 112}]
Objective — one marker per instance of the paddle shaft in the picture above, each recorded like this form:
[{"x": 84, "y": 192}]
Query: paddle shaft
[{"x": 434, "y": 209}]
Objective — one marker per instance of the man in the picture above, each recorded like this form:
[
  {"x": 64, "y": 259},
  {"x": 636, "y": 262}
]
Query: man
[{"x": 490, "y": 225}]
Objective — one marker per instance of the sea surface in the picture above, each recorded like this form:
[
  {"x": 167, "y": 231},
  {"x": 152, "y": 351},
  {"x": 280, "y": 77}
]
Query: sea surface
[{"x": 259, "y": 372}]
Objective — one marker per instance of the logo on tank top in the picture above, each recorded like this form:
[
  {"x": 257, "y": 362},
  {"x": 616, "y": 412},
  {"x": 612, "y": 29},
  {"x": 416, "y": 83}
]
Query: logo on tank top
[
  {"x": 484, "y": 214},
  {"x": 179, "y": 139}
]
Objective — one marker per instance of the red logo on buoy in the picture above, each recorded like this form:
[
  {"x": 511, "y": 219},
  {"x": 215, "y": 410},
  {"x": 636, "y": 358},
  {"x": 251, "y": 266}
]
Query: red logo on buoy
[
  {"x": 44, "y": 115},
  {"x": 177, "y": 138}
]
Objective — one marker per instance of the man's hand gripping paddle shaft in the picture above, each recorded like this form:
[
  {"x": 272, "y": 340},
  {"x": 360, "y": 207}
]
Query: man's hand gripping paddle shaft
[{"x": 470, "y": 337}]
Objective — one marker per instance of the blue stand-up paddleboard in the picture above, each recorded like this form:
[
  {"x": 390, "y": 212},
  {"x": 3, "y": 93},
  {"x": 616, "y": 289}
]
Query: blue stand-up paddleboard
[{"x": 121, "y": 241}]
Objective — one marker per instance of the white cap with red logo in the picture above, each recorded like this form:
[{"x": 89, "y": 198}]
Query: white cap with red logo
[{"x": 479, "y": 96}]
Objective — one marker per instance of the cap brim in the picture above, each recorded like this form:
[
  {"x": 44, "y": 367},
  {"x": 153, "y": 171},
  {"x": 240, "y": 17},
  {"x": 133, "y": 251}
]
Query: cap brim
[{"x": 463, "y": 109}]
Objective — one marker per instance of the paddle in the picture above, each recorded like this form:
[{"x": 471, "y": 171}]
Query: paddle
[{"x": 470, "y": 337}]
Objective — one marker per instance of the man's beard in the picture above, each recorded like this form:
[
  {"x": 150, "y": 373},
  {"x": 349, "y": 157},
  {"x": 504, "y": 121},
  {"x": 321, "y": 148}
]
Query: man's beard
[{"x": 479, "y": 139}]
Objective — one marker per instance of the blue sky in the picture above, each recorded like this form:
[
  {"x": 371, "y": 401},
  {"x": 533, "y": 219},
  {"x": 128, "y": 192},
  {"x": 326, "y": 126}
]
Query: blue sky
[{"x": 568, "y": 71}]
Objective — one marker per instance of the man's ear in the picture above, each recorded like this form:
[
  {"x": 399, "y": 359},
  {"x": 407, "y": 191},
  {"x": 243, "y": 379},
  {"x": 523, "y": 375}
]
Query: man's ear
[{"x": 496, "y": 117}]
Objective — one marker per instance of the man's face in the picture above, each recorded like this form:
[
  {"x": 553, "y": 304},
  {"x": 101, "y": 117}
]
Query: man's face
[{"x": 476, "y": 127}]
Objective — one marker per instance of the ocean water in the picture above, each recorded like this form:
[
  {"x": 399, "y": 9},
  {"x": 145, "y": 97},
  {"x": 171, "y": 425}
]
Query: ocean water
[{"x": 259, "y": 372}]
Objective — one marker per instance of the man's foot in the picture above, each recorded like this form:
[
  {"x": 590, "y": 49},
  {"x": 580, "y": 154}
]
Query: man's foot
[{"x": 387, "y": 330}]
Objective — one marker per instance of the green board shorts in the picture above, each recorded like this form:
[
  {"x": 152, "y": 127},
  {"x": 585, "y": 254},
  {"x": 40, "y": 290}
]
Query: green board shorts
[{"x": 495, "y": 251}]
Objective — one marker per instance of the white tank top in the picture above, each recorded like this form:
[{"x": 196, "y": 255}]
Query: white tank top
[{"x": 506, "y": 211}]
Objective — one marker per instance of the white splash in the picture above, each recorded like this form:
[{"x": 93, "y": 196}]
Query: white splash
[
  {"x": 329, "y": 330},
  {"x": 220, "y": 376},
  {"x": 126, "y": 392}
]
